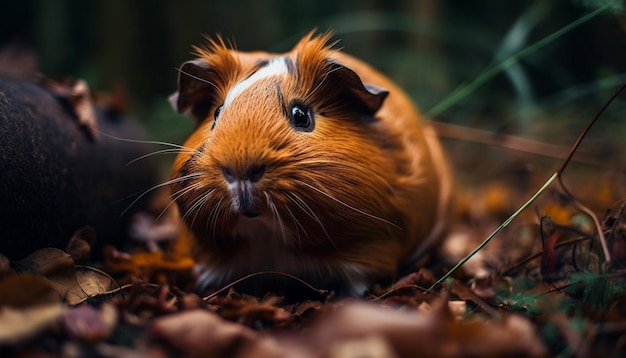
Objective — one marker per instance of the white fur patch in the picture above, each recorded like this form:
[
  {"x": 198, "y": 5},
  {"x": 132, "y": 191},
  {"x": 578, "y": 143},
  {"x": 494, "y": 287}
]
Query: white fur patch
[{"x": 276, "y": 67}]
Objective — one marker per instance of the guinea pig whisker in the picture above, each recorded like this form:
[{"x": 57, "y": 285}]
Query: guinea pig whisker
[
  {"x": 196, "y": 204},
  {"x": 213, "y": 216},
  {"x": 307, "y": 209},
  {"x": 156, "y": 142},
  {"x": 299, "y": 226},
  {"x": 162, "y": 151},
  {"x": 348, "y": 205},
  {"x": 201, "y": 80},
  {"x": 175, "y": 196},
  {"x": 166, "y": 183},
  {"x": 277, "y": 216},
  {"x": 319, "y": 84},
  {"x": 338, "y": 168},
  {"x": 295, "y": 219},
  {"x": 196, "y": 207}
]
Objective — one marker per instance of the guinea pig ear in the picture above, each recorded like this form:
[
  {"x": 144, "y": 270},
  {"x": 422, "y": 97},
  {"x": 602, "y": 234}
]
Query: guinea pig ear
[
  {"x": 196, "y": 89},
  {"x": 353, "y": 95}
]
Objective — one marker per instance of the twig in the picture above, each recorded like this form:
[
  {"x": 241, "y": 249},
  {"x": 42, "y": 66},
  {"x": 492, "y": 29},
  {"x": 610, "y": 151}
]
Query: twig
[
  {"x": 538, "y": 254},
  {"x": 306, "y": 284},
  {"x": 555, "y": 176},
  {"x": 559, "y": 172},
  {"x": 617, "y": 220},
  {"x": 519, "y": 144},
  {"x": 497, "y": 231}
]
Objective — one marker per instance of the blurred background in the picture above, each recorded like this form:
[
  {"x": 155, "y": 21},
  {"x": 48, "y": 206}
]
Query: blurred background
[{"x": 430, "y": 47}]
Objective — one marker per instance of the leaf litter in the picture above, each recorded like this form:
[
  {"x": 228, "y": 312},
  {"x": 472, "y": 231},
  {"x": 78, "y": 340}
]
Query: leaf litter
[{"x": 547, "y": 289}]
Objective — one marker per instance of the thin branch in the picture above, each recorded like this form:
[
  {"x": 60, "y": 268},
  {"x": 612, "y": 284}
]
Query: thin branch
[
  {"x": 277, "y": 273},
  {"x": 579, "y": 205},
  {"x": 555, "y": 176},
  {"x": 519, "y": 144},
  {"x": 497, "y": 231}
]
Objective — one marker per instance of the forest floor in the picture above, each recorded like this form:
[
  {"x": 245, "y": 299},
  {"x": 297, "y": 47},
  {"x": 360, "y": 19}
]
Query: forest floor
[{"x": 546, "y": 285}]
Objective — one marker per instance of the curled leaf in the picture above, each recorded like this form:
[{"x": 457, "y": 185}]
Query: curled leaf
[
  {"x": 60, "y": 270},
  {"x": 79, "y": 247}
]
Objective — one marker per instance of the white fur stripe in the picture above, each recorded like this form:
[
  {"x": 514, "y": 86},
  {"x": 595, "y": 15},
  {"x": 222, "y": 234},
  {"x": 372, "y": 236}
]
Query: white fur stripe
[{"x": 276, "y": 67}]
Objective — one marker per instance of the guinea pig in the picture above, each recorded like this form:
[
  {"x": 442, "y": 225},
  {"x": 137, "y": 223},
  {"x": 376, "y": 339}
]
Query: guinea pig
[{"x": 309, "y": 163}]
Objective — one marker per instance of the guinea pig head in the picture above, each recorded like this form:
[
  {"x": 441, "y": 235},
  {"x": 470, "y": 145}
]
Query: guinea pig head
[{"x": 288, "y": 168}]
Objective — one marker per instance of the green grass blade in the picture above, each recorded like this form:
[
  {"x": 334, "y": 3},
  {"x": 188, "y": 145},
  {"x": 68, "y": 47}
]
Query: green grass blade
[
  {"x": 487, "y": 75},
  {"x": 497, "y": 231}
]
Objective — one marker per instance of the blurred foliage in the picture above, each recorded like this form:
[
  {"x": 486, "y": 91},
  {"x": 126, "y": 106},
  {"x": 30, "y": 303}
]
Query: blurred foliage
[{"x": 429, "y": 47}]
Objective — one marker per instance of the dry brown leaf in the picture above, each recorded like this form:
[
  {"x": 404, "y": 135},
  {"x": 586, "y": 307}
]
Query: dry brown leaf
[
  {"x": 89, "y": 324},
  {"x": 146, "y": 263},
  {"x": 307, "y": 308},
  {"x": 481, "y": 296},
  {"x": 514, "y": 336},
  {"x": 421, "y": 278},
  {"x": 407, "y": 332},
  {"x": 79, "y": 246},
  {"x": 59, "y": 271},
  {"x": 191, "y": 301},
  {"x": 200, "y": 333},
  {"x": 457, "y": 309},
  {"x": 25, "y": 290},
  {"x": 18, "y": 325},
  {"x": 5, "y": 267},
  {"x": 59, "y": 268},
  {"x": 251, "y": 311},
  {"x": 372, "y": 346},
  {"x": 437, "y": 333},
  {"x": 93, "y": 282}
]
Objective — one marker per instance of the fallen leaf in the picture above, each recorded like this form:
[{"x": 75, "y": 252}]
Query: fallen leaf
[
  {"x": 89, "y": 324},
  {"x": 145, "y": 263},
  {"x": 94, "y": 282},
  {"x": 5, "y": 267},
  {"x": 20, "y": 324},
  {"x": 373, "y": 346},
  {"x": 25, "y": 290},
  {"x": 251, "y": 311},
  {"x": 79, "y": 246},
  {"x": 200, "y": 333},
  {"x": 307, "y": 308},
  {"x": 436, "y": 333},
  {"x": 59, "y": 268}
]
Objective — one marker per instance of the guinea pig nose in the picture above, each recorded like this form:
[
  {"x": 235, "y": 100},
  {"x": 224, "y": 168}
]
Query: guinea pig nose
[{"x": 253, "y": 173}]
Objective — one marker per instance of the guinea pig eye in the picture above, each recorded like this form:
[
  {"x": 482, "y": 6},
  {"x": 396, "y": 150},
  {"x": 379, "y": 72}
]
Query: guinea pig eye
[
  {"x": 218, "y": 110},
  {"x": 302, "y": 118}
]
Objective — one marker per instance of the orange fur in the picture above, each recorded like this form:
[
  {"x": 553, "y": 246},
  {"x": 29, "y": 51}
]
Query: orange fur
[{"x": 341, "y": 205}]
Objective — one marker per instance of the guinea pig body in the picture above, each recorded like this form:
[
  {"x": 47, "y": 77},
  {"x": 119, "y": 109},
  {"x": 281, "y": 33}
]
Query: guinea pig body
[{"x": 309, "y": 163}]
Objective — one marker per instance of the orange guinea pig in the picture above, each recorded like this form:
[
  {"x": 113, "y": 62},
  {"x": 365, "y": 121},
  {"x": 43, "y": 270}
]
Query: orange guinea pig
[{"x": 309, "y": 163}]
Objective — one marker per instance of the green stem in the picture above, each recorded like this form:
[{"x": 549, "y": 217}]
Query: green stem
[
  {"x": 497, "y": 231},
  {"x": 468, "y": 89}
]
